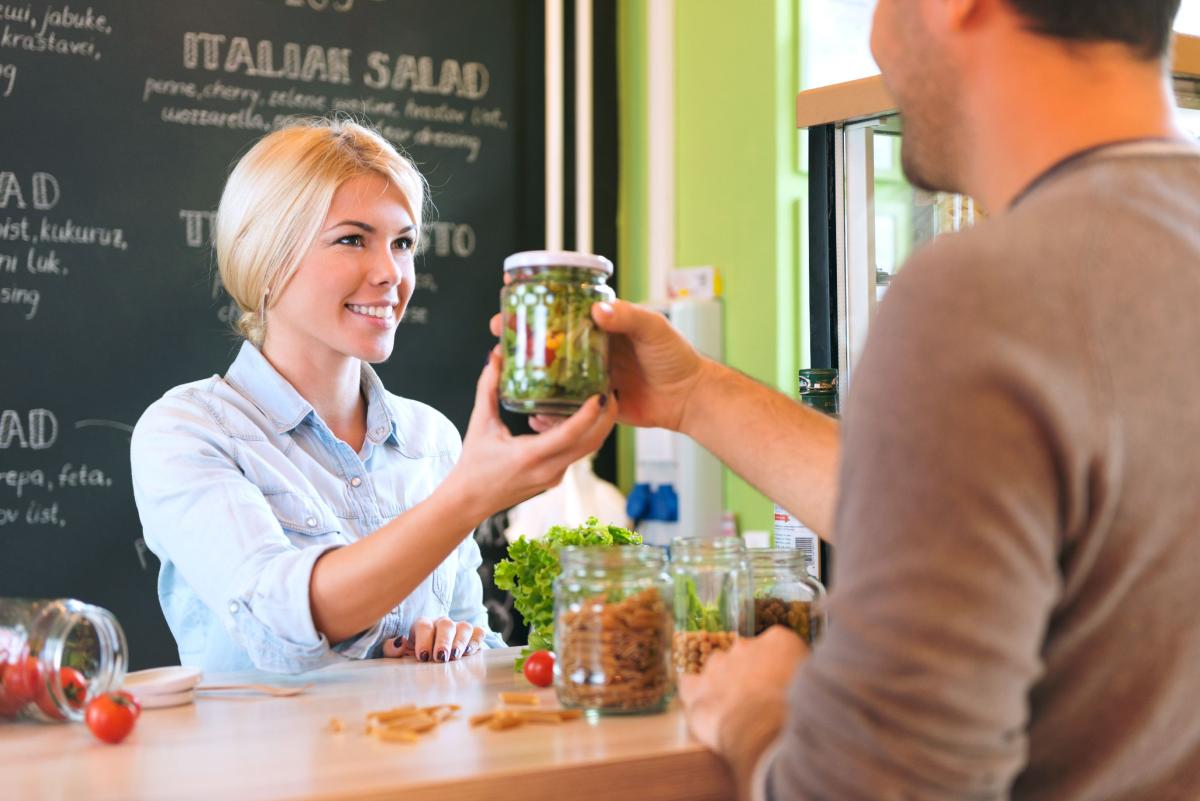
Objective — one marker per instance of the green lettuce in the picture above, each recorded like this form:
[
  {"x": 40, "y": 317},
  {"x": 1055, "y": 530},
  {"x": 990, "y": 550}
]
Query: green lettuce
[{"x": 531, "y": 567}]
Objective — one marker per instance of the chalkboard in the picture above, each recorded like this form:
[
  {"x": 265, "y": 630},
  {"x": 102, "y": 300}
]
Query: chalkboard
[{"x": 121, "y": 120}]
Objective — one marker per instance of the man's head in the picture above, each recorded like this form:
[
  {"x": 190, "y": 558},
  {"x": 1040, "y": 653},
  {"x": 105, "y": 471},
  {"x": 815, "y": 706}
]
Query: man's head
[{"x": 929, "y": 52}]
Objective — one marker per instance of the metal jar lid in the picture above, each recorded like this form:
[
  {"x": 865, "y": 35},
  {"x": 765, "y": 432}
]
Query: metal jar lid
[{"x": 558, "y": 258}]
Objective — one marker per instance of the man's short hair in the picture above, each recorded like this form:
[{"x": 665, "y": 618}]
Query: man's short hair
[{"x": 1144, "y": 25}]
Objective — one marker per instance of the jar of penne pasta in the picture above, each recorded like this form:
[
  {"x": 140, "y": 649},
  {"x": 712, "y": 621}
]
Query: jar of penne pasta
[{"x": 612, "y": 630}]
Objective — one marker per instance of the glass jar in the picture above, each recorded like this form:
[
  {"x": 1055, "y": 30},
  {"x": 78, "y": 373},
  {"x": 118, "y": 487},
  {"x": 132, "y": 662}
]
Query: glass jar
[
  {"x": 785, "y": 594},
  {"x": 612, "y": 629},
  {"x": 819, "y": 389},
  {"x": 714, "y": 603},
  {"x": 55, "y": 656},
  {"x": 555, "y": 357}
]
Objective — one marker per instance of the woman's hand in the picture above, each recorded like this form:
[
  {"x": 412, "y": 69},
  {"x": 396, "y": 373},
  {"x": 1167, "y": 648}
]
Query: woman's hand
[
  {"x": 498, "y": 470},
  {"x": 440, "y": 640}
]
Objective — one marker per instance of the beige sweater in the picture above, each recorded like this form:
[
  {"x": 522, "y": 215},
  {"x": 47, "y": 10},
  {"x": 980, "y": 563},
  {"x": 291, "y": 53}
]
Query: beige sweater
[{"x": 1018, "y": 563}]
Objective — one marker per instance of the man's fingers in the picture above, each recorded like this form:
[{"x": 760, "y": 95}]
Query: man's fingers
[
  {"x": 542, "y": 423},
  {"x": 622, "y": 317}
]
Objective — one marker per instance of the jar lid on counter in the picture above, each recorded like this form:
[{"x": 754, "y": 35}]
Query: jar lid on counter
[{"x": 558, "y": 258}]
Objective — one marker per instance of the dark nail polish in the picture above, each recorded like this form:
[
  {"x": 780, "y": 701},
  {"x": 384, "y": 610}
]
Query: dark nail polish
[
  {"x": 424, "y": 656},
  {"x": 603, "y": 401},
  {"x": 456, "y": 653},
  {"x": 442, "y": 656}
]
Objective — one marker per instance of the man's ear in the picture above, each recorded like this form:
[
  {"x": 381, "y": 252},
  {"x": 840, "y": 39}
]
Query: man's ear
[{"x": 955, "y": 16}]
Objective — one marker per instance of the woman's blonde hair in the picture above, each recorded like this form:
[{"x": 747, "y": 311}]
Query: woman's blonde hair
[{"x": 277, "y": 197}]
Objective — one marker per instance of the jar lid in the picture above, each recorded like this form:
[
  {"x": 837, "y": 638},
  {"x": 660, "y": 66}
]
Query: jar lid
[{"x": 558, "y": 258}]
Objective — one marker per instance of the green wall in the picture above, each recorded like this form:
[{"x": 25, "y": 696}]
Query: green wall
[{"x": 740, "y": 188}]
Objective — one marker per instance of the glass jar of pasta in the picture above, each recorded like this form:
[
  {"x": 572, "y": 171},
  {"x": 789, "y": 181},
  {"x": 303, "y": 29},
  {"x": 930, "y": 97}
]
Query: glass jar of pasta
[
  {"x": 714, "y": 604},
  {"x": 55, "y": 656},
  {"x": 785, "y": 594},
  {"x": 612, "y": 629},
  {"x": 555, "y": 357}
]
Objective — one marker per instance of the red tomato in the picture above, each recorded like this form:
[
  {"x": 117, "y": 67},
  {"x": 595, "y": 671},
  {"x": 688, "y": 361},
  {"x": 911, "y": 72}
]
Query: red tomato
[
  {"x": 21, "y": 680},
  {"x": 74, "y": 690},
  {"x": 74, "y": 687},
  {"x": 539, "y": 668},
  {"x": 111, "y": 716}
]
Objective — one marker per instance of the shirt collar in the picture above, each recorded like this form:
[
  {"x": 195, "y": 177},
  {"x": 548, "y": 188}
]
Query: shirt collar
[
  {"x": 261, "y": 384},
  {"x": 1128, "y": 147}
]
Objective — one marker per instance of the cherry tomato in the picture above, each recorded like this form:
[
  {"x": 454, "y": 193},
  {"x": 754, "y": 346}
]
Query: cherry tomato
[
  {"x": 74, "y": 690},
  {"x": 539, "y": 668},
  {"x": 74, "y": 687},
  {"x": 111, "y": 716},
  {"x": 21, "y": 680}
]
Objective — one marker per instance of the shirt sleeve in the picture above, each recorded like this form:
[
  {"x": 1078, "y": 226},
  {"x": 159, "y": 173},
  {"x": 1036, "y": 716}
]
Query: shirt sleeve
[
  {"x": 467, "y": 603},
  {"x": 960, "y": 469},
  {"x": 200, "y": 513}
]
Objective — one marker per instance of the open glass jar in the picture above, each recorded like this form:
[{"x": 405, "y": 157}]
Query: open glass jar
[
  {"x": 785, "y": 594},
  {"x": 612, "y": 629},
  {"x": 714, "y": 603},
  {"x": 555, "y": 357},
  {"x": 55, "y": 656}
]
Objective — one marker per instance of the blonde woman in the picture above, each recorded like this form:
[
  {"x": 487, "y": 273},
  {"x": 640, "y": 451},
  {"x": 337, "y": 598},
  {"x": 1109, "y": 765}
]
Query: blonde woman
[{"x": 302, "y": 513}]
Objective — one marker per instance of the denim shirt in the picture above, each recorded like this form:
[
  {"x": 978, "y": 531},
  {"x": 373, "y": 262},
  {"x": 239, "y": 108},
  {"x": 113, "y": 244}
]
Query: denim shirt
[{"x": 240, "y": 487}]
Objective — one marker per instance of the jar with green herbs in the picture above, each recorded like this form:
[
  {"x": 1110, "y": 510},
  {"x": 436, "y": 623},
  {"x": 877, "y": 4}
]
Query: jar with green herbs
[
  {"x": 555, "y": 356},
  {"x": 55, "y": 656},
  {"x": 785, "y": 594},
  {"x": 612, "y": 629},
  {"x": 714, "y": 603}
]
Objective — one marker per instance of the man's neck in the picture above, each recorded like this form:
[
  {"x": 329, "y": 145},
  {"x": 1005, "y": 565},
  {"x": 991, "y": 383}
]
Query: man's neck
[{"x": 1050, "y": 105}]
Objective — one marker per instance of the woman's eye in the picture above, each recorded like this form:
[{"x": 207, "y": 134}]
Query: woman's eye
[
  {"x": 355, "y": 240},
  {"x": 403, "y": 243}
]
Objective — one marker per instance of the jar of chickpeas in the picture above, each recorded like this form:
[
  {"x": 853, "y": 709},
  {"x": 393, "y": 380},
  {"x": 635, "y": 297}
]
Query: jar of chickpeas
[
  {"x": 714, "y": 604},
  {"x": 785, "y": 594}
]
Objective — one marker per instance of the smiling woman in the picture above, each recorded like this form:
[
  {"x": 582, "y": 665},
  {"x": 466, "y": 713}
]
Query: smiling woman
[{"x": 303, "y": 513}]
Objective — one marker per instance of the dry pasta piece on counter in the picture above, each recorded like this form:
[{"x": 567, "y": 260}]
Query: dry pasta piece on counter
[{"x": 519, "y": 699}]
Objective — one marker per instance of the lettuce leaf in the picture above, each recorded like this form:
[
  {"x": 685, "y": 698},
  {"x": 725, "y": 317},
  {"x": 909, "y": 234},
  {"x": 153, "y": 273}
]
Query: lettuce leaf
[{"x": 531, "y": 567}]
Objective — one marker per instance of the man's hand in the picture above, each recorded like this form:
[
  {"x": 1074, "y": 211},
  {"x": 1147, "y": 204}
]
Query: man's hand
[
  {"x": 736, "y": 707},
  {"x": 653, "y": 369}
]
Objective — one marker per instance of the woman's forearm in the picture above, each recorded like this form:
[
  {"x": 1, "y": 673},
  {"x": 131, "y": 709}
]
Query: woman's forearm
[{"x": 353, "y": 587}]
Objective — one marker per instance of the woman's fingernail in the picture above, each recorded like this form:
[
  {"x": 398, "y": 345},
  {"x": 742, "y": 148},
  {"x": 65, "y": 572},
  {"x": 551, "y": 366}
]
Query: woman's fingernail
[
  {"x": 398, "y": 642},
  {"x": 441, "y": 655},
  {"x": 456, "y": 653},
  {"x": 603, "y": 401},
  {"x": 606, "y": 308},
  {"x": 424, "y": 656}
]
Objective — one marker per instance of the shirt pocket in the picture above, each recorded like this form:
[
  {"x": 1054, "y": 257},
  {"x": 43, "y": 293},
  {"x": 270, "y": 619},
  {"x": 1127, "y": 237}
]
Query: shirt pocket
[
  {"x": 443, "y": 582},
  {"x": 304, "y": 520}
]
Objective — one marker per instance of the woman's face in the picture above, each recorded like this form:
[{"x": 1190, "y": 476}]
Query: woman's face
[{"x": 354, "y": 282}]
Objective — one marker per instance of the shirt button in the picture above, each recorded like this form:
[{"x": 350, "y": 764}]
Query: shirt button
[
  {"x": 356, "y": 481},
  {"x": 379, "y": 432},
  {"x": 311, "y": 522},
  {"x": 233, "y": 607}
]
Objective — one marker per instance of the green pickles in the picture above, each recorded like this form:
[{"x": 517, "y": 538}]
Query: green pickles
[{"x": 555, "y": 357}]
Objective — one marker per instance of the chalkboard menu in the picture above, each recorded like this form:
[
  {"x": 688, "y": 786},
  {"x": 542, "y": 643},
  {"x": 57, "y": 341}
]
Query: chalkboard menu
[{"x": 121, "y": 120}]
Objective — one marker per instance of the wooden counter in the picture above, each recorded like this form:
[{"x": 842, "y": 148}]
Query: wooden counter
[{"x": 243, "y": 746}]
